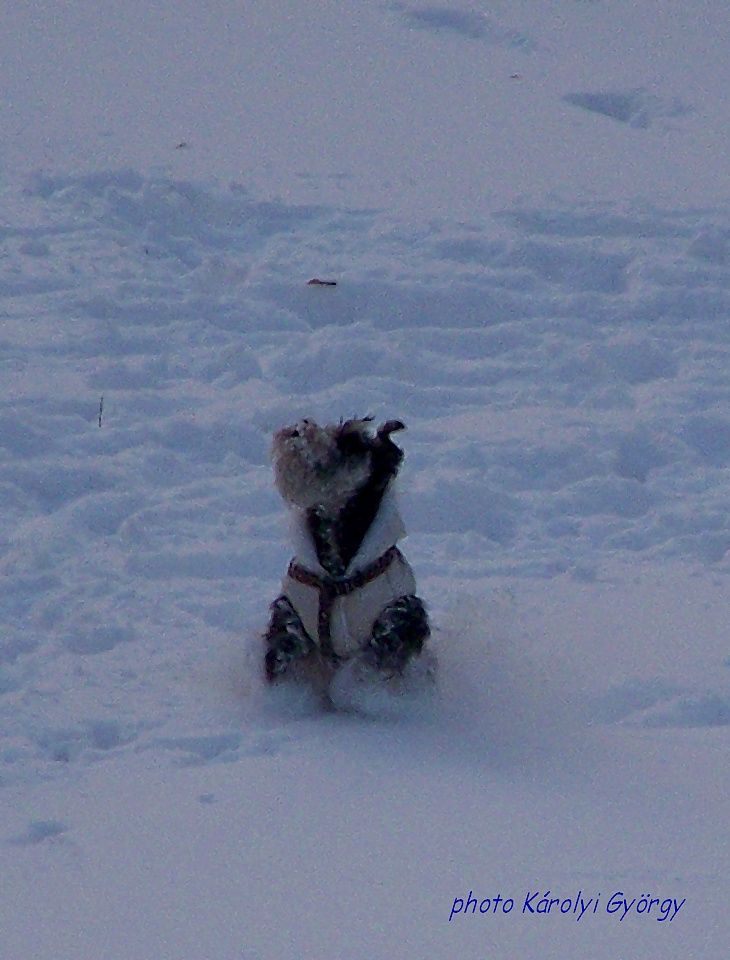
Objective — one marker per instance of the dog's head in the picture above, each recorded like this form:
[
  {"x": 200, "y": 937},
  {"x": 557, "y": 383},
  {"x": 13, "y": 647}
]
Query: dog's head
[{"x": 316, "y": 465}]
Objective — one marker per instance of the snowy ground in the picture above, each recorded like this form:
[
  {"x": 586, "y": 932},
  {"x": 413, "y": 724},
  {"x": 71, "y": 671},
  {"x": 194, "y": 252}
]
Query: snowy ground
[{"x": 543, "y": 298}]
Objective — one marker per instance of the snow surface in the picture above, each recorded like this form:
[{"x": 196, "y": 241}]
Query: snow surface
[{"x": 525, "y": 208}]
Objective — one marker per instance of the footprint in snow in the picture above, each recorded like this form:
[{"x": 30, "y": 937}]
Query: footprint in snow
[{"x": 38, "y": 831}]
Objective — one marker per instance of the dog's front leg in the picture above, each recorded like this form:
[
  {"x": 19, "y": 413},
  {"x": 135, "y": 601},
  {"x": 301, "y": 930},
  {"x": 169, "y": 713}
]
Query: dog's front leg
[
  {"x": 398, "y": 634},
  {"x": 286, "y": 639}
]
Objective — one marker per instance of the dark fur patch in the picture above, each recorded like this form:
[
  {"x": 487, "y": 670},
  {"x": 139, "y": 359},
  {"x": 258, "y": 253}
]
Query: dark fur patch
[
  {"x": 286, "y": 639},
  {"x": 398, "y": 634}
]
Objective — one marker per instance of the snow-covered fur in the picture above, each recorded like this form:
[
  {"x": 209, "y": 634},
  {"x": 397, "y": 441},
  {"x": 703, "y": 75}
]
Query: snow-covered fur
[
  {"x": 313, "y": 465},
  {"x": 349, "y": 593}
]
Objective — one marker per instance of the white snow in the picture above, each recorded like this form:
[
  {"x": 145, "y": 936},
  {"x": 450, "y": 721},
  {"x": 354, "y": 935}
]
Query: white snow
[{"x": 525, "y": 207}]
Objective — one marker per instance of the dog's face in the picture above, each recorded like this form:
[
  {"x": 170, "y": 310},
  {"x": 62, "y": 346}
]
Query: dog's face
[{"x": 324, "y": 466}]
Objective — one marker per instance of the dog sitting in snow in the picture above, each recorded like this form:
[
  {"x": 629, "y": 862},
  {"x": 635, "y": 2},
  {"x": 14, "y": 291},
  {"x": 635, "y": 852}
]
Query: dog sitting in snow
[{"x": 349, "y": 594}]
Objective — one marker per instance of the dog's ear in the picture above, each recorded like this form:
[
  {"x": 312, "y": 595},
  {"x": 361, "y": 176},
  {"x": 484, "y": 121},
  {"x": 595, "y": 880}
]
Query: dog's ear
[
  {"x": 387, "y": 456},
  {"x": 391, "y": 426}
]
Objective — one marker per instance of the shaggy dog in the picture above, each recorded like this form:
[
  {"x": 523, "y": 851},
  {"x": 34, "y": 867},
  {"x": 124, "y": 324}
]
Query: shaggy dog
[{"x": 349, "y": 595}]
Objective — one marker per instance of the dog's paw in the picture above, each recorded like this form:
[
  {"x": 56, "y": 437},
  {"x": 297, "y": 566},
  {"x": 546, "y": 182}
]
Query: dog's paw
[
  {"x": 398, "y": 635},
  {"x": 286, "y": 640}
]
